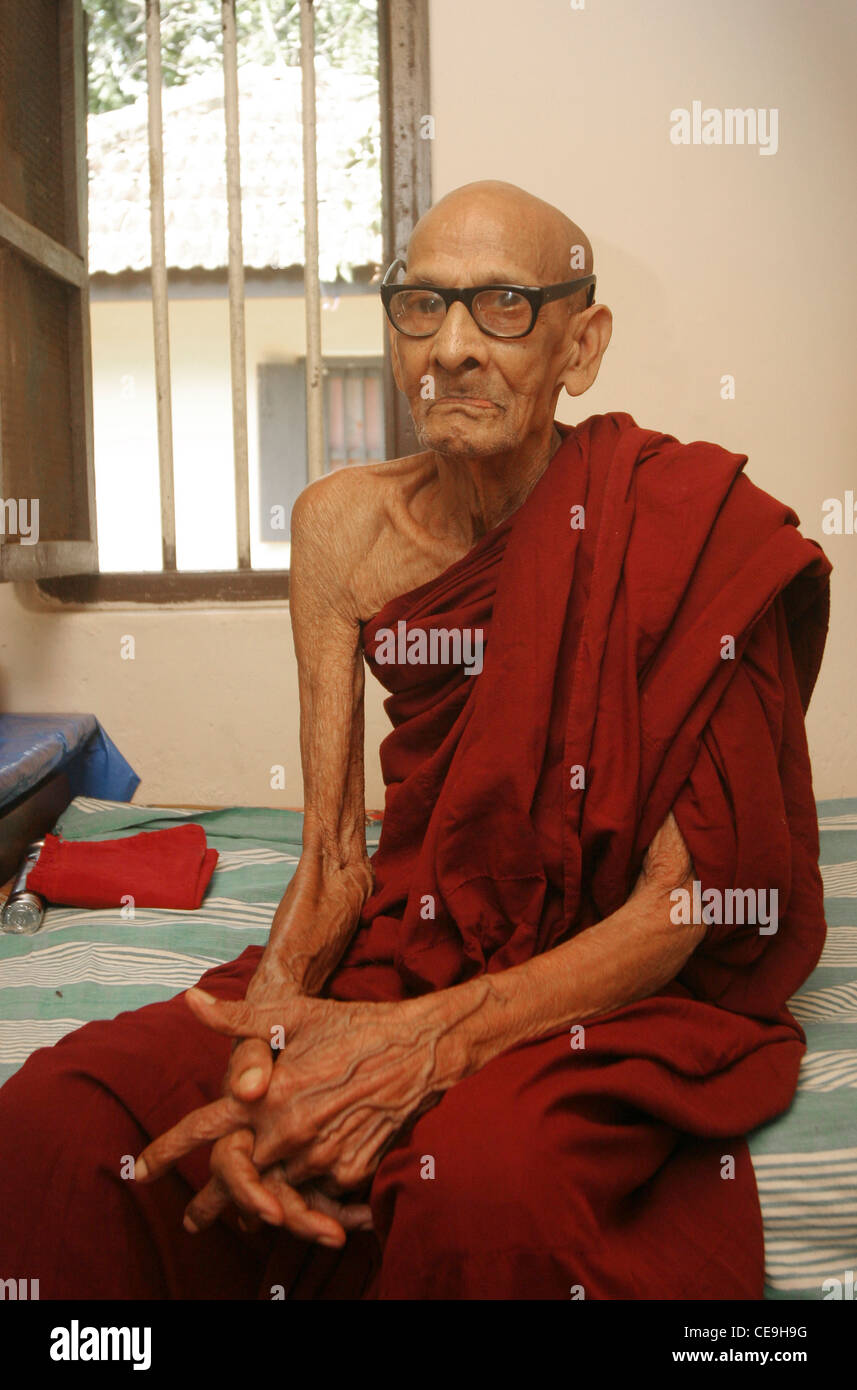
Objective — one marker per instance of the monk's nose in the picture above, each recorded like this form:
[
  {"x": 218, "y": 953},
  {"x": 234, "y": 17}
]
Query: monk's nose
[{"x": 458, "y": 339}]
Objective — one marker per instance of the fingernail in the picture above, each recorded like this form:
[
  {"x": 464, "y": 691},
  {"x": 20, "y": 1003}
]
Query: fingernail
[
  {"x": 190, "y": 1226},
  {"x": 141, "y": 1169},
  {"x": 331, "y": 1242},
  {"x": 271, "y": 1220},
  {"x": 250, "y": 1078},
  {"x": 203, "y": 995}
]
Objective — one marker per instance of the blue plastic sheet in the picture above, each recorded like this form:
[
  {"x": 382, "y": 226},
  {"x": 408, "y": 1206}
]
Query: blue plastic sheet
[{"x": 35, "y": 746}]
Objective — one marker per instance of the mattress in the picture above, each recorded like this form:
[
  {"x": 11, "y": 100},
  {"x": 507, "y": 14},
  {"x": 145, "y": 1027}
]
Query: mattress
[
  {"x": 84, "y": 965},
  {"x": 33, "y": 747}
]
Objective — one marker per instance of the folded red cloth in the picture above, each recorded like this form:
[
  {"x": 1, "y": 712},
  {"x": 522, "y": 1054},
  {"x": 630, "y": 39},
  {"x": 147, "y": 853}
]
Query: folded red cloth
[{"x": 158, "y": 868}]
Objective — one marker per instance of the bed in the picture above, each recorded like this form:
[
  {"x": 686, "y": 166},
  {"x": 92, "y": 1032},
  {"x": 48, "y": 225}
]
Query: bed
[{"x": 86, "y": 964}]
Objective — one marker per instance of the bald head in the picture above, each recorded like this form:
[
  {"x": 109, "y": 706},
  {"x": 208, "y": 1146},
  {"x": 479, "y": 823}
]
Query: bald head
[{"x": 510, "y": 226}]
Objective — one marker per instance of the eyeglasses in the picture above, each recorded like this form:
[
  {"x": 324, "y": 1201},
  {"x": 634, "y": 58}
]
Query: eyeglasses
[{"x": 501, "y": 311}]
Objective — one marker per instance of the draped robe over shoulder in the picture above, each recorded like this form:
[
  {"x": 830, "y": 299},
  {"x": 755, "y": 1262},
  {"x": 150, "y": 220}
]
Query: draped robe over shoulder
[
  {"x": 603, "y": 651},
  {"x": 607, "y": 650}
]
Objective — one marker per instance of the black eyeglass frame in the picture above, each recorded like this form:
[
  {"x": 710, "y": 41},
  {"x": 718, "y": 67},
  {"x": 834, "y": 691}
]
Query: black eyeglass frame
[{"x": 536, "y": 297}]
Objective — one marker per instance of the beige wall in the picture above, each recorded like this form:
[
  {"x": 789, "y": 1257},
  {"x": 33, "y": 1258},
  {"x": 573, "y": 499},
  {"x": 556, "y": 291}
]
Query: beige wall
[{"x": 715, "y": 260}]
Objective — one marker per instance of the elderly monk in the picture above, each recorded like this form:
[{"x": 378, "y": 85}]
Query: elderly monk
[{"x": 514, "y": 1054}]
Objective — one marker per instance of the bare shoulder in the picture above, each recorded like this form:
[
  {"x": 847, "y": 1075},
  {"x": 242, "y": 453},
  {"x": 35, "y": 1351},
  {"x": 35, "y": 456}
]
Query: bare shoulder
[
  {"x": 346, "y": 527},
  {"x": 361, "y": 494}
]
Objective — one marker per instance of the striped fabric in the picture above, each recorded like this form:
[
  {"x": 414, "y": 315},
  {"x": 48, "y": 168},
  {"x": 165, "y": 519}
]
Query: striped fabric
[
  {"x": 83, "y": 965},
  {"x": 806, "y": 1161}
]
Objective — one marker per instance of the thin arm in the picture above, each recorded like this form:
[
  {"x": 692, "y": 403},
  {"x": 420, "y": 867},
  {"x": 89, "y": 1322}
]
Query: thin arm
[
  {"x": 322, "y": 904},
  {"x": 628, "y": 956}
]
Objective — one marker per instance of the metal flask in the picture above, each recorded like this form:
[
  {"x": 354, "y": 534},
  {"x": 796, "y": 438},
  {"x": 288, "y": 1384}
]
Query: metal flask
[{"x": 23, "y": 912}]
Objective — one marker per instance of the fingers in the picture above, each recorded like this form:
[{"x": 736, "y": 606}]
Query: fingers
[
  {"x": 353, "y": 1216},
  {"x": 269, "y": 1198},
  {"x": 236, "y": 1018},
  {"x": 298, "y": 1215},
  {"x": 250, "y": 1069},
  {"x": 205, "y": 1208},
  {"x": 235, "y": 1179},
  {"x": 199, "y": 1127},
  {"x": 239, "y": 1019}
]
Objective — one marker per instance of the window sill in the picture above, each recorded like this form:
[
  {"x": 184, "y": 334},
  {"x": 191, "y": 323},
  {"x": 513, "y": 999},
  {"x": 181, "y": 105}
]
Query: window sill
[{"x": 159, "y": 589}]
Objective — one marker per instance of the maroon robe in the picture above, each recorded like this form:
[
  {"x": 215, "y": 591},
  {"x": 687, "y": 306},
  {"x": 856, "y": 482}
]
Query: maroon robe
[
  {"x": 616, "y": 1170},
  {"x": 605, "y": 651}
]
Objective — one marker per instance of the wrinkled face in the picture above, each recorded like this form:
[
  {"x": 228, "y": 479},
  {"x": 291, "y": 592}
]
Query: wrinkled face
[{"x": 471, "y": 394}]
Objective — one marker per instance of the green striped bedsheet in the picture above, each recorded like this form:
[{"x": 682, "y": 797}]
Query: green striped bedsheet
[{"x": 85, "y": 965}]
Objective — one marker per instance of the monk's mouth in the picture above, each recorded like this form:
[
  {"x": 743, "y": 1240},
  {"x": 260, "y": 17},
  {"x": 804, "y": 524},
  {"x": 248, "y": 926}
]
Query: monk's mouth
[{"x": 476, "y": 401}]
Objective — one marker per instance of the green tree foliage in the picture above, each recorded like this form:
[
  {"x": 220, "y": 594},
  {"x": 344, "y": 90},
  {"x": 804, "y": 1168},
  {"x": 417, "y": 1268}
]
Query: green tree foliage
[{"x": 268, "y": 32}]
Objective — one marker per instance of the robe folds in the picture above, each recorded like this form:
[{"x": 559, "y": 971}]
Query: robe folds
[{"x": 519, "y": 805}]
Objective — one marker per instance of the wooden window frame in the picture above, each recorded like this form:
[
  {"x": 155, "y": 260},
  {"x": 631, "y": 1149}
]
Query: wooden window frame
[
  {"x": 64, "y": 262},
  {"x": 406, "y": 195}
]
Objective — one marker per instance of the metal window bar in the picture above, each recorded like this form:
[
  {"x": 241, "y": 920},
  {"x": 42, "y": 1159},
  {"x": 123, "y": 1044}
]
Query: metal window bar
[
  {"x": 312, "y": 288},
  {"x": 160, "y": 320},
  {"x": 237, "y": 343}
]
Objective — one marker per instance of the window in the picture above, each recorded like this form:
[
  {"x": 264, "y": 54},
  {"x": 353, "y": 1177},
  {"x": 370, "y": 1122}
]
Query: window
[
  {"x": 353, "y": 412},
  {"x": 402, "y": 48},
  {"x": 354, "y": 430}
]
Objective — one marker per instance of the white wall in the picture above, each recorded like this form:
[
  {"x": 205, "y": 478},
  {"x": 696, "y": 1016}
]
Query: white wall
[{"x": 714, "y": 259}]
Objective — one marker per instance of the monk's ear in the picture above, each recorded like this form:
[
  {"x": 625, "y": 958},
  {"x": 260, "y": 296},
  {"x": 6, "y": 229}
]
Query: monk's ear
[
  {"x": 394, "y": 356},
  {"x": 589, "y": 335}
]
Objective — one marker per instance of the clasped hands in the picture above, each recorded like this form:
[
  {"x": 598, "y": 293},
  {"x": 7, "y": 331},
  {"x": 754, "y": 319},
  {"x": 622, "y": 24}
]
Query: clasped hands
[{"x": 294, "y": 1136}]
